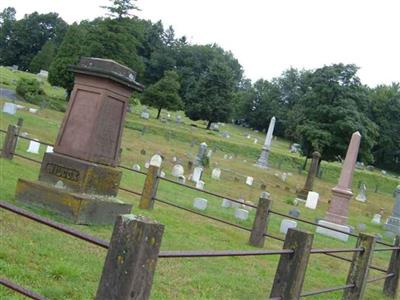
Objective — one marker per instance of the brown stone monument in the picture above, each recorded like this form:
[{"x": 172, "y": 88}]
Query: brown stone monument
[
  {"x": 80, "y": 180},
  {"x": 337, "y": 214},
  {"x": 312, "y": 172},
  {"x": 341, "y": 193}
]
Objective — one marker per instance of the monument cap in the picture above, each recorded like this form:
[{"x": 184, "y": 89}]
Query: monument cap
[{"x": 107, "y": 68}]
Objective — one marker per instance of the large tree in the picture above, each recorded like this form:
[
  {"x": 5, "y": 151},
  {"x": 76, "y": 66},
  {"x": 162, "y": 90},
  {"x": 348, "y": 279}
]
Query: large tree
[
  {"x": 164, "y": 93},
  {"x": 385, "y": 112},
  {"x": 24, "y": 38},
  {"x": 334, "y": 107},
  {"x": 211, "y": 98},
  {"x": 121, "y": 8}
]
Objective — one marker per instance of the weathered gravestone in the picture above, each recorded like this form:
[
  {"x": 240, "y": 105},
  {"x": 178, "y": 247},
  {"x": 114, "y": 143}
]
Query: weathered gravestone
[
  {"x": 10, "y": 108},
  {"x": 201, "y": 155},
  {"x": 362, "y": 197},
  {"x": 263, "y": 159},
  {"x": 312, "y": 172},
  {"x": 393, "y": 222},
  {"x": 87, "y": 149}
]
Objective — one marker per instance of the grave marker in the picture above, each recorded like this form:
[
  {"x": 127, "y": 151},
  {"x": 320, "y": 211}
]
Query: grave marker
[{"x": 263, "y": 159}]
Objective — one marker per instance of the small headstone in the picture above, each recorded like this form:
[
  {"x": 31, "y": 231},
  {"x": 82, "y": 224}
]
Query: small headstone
[
  {"x": 162, "y": 174},
  {"x": 33, "y": 110},
  {"x": 286, "y": 224},
  {"x": 249, "y": 180},
  {"x": 10, "y": 108},
  {"x": 284, "y": 177},
  {"x": 226, "y": 135},
  {"x": 255, "y": 141},
  {"x": 216, "y": 174},
  {"x": 241, "y": 214},
  {"x": 200, "y": 203},
  {"x": 20, "y": 107},
  {"x": 362, "y": 197},
  {"x": 209, "y": 153},
  {"x": 33, "y": 147},
  {"x": 145, "y": 115},
  {"x": 226, "y": 203},
  {"x": 200, "y": 184},
  {"x": 294, "y": 212},
  {"x": 197, "y": 172},
  {"x": 214, "y": 127},
  {"x": 225, "y": 156},
  {"x": 49, "y": 149},
  {"x": 361, "y": 227},
  {"x": 312, "y": 200},
  {"x": 376, "y": 219},
  {"x": 177, "y": 171},
  {"x": 136, "y": 167},
  {"x": 174, "y": 159},
  {"x": 181, "y": 179},
  {"x": 147, "y": 164},
  {"x": 178, "y": 119}
]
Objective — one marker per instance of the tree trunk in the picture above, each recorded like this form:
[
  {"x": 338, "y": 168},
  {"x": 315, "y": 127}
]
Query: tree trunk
[
  {"x": 209, "y": 125},
  {"x": 305, "y": 163},
  {"x": 159, "y": 113}
]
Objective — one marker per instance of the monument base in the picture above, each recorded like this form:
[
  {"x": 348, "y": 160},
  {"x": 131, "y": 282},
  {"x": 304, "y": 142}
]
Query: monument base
[
  {"x": 393, "y": 225},
  {"x": 80, "y": 176},
  {"x": 262, "y": 161},
  {"x": 80, "y": 208},
  {"x": 331, "y": 233}
]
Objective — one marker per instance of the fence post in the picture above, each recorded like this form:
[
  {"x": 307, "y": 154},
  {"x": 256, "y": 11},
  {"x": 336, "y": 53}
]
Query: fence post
[
  {"x": 10, "y": 140},
  {"x": 151, "y": 183},
  {"x": 289, "y": 277},
  {"x": 391, "y": 287},
  {"x": 131, "y": 259},
  {"x": 260, "y": 223},
  {"x": 359, "y": 268}
]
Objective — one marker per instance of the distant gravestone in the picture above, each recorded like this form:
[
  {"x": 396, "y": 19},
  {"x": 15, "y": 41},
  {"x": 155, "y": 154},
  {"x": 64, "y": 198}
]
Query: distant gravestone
[
  {"x": 226, "y": 135},
  {"x": 181, "y": 179},
  {"x": 200, "y": 203},
  {"x": 214, "y": 127},
  {"x": 178, "y": 119},
  {"x": 361, "y": 227},
  {"x": 197, "y": 172},
  {"x": 312, "y": 200},
  {"x": 294, "y": 212},
  {"x": 177, "y": 171},
  {"x": 241, "y": 214},
  {"x": 286, "y": 224},
  {"x": 162, "y": 174},
  {"x": 255, "y": 141},
  {"x": 362, "y": 197},
  {"x": 393, "y": 222},
  {"x": 33, "y": 147},
  {"x": 33, "y": 110},
  {"x": 376, "y": 219},
  {"x": 225, "y": 203},
  {"x": 136, "y": 167},
  {"x": 201, "y": 155},
  {"x": 200, "y": 184},
  {"x": 216, "y": 174},
  {"x": 145, "y": 115},
  {"x": 10, "y": 108},
  {"x": 49, "y": 149},
  {"x": 249, "y": 180}
]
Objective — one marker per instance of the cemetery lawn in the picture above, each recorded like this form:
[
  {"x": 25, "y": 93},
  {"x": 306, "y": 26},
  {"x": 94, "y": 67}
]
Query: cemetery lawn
[{"x": 62, "y": 267}]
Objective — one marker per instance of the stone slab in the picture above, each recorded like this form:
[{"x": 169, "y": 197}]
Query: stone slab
[
  {"x": 393, "y": 225},
  {"x": 331, "y": 233},
  {"x": 80, "y": 176},
  {"x": 286, "y": 224},
  {"x": 241, "y": 214},
  {"x": 200, "y": 203},
  {"x": 79, "y": 208}
]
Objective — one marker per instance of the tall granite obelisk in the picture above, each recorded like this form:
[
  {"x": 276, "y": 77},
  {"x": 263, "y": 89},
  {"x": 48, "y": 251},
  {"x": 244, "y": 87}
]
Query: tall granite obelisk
[
  {"x": 341, "y": 193},
  {"x": 262, "y": 161},
  {"x": 337, "y": 214}
]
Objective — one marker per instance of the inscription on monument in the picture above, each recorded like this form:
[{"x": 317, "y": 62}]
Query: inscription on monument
[{"x": 62, "y": 172}]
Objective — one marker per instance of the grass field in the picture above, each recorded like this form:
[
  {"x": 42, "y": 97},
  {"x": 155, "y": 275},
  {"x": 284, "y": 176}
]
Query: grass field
[{"x": 61, "y": 267}]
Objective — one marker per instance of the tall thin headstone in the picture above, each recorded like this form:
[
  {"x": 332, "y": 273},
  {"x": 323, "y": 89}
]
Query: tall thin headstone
[
  {"x": 201, "y": 155},
  {"x": 393, "y": 222},
  {"x": 263, "y": 159},
  {"x": 341, "y": 193},
  {"x": 312, "y": 172}
]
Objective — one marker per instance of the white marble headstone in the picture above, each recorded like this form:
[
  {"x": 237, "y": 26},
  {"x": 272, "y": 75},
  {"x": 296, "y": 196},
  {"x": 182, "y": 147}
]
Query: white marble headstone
[
  {"x": 34, "y": 147},
  {"x": 10, "y": 108},
  {"x": 225, "y": 203},
  {"x": 241, "y": 214},
  {"x": 197, "y": 172},
  {"x": 286, "y": 224},
  {"x": 216, "y": 173},
  {"x": 312, "y": 200},
  {"x": 200, "y": 203},
  {"x": 177, "y": 170},
  {"x": 200, "y": 184},
  {"x": 49, "y": 149},
  {"x": 376, "y": 219},
  {"x": 249, "y": 180}
]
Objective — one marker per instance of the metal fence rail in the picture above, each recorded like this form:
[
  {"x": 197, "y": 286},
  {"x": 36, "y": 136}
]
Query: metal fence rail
[{"x": 21, "y": 290}]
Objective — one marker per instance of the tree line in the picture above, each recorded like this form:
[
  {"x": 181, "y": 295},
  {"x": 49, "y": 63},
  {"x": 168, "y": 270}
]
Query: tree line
[{"x": 318, "y": 109}]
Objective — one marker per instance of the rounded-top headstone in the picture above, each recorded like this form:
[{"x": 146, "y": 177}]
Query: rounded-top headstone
[
  {"x": 177, "y": 171},
  {"x": 156, "y": 160}
]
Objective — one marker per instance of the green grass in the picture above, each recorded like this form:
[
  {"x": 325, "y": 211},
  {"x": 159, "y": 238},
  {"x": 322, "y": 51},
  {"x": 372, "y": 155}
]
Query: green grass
[{"x": 61, "y": 267}]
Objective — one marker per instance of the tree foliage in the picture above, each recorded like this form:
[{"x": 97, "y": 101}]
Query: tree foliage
[
  {"x": 164, "y": 93},
  {"x": 121, "y": 8}
]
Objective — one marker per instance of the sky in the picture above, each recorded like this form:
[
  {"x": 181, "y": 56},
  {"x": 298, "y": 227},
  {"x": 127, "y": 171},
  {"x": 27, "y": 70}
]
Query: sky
[{"x": 270, "y": 36}]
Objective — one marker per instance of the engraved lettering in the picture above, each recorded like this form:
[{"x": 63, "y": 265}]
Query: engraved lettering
[{"x": 62, "y": 172}]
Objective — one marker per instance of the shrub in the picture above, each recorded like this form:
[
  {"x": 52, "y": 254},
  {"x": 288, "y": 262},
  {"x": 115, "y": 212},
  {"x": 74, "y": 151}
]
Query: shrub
[{"x": 30, "y": 90}]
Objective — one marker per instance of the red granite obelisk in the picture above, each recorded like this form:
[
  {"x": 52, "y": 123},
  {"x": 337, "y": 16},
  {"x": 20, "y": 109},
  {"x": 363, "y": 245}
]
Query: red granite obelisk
[{"x": 341, "y": 193}]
